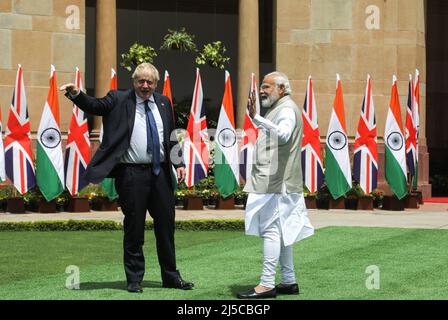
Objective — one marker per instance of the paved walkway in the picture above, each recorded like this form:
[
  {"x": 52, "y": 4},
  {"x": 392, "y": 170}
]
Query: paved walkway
[{"x": 429, "y": 216}]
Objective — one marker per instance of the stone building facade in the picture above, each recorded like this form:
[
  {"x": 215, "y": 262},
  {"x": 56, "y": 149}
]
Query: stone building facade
[{"x": 311, "y": 37}]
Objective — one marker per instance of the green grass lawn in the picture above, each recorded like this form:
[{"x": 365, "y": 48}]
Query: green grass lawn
[{"x": 329, "y": 265}]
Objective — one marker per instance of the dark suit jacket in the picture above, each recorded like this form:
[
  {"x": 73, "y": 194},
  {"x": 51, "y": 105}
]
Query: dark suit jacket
[{"x": 118, "y": 111}]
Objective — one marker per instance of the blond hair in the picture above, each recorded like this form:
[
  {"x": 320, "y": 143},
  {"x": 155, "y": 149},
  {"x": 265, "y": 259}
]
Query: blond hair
[{"x": 146, "y": 68}]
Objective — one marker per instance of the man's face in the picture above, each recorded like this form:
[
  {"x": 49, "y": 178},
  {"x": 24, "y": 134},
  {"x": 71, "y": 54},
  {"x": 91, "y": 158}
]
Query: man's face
[
  {"x": 144, "y": 86},
  {"x": 270, "y": 93}
]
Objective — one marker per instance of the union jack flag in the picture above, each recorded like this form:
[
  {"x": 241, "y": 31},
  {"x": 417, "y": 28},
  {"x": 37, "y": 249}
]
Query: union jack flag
[
  {"x": 411, "y": 130},
  {"x": 250, "y": 134},
  {"x": 312, "y": 169},
  {"x": 195, "y": 148},
  {"x": 365, "y": 162},
  {"x": 19, "y": 161},
  {"x": 77, "y": 154}
]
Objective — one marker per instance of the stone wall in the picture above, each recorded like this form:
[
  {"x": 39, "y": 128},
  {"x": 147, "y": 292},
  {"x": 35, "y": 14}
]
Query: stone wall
[
  {"x": 37, "y": 34},
  {"x": 325, "y": 37}
]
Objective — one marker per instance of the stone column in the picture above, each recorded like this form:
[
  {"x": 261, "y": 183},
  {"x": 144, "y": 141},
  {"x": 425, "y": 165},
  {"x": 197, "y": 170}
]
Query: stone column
[
  {"x": 248, "y": 53},
  {"x": 106, "y": 50}
]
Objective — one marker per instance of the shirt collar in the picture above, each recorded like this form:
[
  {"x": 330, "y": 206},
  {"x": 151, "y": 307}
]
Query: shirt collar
[{"x": 141, "y": 101}]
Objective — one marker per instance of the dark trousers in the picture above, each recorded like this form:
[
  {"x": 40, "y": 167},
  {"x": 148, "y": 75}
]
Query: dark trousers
[{"x": 140, "y": 191}]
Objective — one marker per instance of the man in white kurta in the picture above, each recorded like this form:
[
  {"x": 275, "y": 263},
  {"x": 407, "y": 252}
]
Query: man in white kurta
[{"x": 275, "y": 208}]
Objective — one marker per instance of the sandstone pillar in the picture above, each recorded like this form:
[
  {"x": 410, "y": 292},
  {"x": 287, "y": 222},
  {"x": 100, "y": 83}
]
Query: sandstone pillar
[
  {"x": 248, "y": 53},
  {"x": 106, "y": 48}
]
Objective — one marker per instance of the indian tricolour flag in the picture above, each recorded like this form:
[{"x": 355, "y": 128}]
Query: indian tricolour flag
[
  {"x": 226, "y": 151},
  {"x": 337, "y": 171},
  {"x": 108, "y": 184},
  {"x": 167, "y": 89},
  {"x": 49, "y": 160},
  {"x": 395, "y": 151}
]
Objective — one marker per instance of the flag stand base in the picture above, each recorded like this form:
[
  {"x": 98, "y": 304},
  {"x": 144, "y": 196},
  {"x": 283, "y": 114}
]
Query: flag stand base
[
  {"x": 391, "y": 203},
  {"x": 225, "y": 204},
  {"x": 193, "y": 203},
  {"x": 78, "y": 205},
  {"x": 338, "y": 203},
  {"x": 104, "y": 204},
  {"x": 47, "y": 207},
  {"x": 411, "y": 201},
  {"x": 365, "y": 203},
  {"x": 15, "y": 205}
]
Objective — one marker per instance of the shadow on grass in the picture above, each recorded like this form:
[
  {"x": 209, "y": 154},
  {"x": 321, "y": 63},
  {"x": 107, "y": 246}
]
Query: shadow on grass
[
  {"x": 117, "y": 285},
  {"x": 240, "y": 288}
]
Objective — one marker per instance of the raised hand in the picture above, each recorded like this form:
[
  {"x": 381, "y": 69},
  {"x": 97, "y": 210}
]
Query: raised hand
[
  {"x": 70, "y": 88},
  {"x": 251, "y": 106}
]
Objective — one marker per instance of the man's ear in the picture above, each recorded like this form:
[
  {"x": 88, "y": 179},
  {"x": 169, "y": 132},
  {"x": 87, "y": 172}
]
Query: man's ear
[{"x": 281, "y": 89}]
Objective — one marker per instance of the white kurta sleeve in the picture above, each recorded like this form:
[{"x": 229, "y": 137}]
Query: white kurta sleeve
[{"x": 282, "y": 127}]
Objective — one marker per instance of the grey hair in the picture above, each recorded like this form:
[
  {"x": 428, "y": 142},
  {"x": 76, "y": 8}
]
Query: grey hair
[
  {"x": 146, "y": 68},
  {"x": 281, "y": 79}
]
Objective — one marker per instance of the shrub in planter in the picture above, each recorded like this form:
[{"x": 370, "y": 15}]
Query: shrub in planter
[
  {"x": 6, "y": 192},
  {"x": 193, "y": 200},
  {"x": 179, "y": 197},
  {"x": 310, "y": 198},
  {"x": 240, "y": 198},
  {"x": 377, "y": 196},
  {"x": 62, "y": 201},
  {"x": 323, "y": 198}
]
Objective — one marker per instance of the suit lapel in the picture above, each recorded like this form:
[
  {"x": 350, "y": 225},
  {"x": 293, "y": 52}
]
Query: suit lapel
[
  {"x": 131, "y": 107},
  {"x": 163, "y": 114}
]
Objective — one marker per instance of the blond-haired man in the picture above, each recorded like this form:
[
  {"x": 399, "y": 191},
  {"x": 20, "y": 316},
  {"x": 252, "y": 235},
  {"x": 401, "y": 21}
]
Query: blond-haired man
[{"x": 136, "y": 150}]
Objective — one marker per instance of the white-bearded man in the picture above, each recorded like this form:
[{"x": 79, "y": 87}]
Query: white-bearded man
[{"x": 275, "y": 208}]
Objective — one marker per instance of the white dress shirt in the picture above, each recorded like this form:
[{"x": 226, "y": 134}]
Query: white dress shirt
[{"x": 137, "y": 152}]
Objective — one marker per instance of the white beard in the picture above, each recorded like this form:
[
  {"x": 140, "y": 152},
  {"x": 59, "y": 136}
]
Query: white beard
[{"x": 270, "y": 100}]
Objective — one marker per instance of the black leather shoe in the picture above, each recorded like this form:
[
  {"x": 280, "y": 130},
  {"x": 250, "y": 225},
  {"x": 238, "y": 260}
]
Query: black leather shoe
[
  {"x": 135, "y": 287},
  {"x": 251, "y": 294},
  {"x": 287, "y": 288},
  {"x": 179, "y": 283}
]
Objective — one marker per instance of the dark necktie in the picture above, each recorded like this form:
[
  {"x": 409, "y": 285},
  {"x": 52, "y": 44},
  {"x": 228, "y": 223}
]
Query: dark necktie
[{"x": 152, "y": 137}]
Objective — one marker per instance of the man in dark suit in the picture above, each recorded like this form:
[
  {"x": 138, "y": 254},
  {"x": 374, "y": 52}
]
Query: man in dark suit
[{"x": 136, "y": 151}]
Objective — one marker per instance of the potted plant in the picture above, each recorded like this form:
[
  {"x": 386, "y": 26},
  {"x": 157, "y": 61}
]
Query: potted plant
[
  {"x": 62, "y": 201},
  {"x": 178, "y": 40},
  {"x": 213, "y": 199},
  {"x": 365, "y": 202},
  {"x": 323, "y": 197},
  {"x": 80, "y": 202},
  {"x": 5, "y": 193},
  {"x": 36, "y": 202},
  {"x": 14, "y": 200},
  {"x": 99, "y": 200},
  {"x": 193, "y": 200},
  {"x": 377, "y": 196},
  {"x": 214, "y": 55},
  {"x": 179, "y": 197},
  {"x": 227, "y": 203},
  {"x": 136, "y": 55},
  {"x": 205, "y": 195},
  {"x": 240, "y": 197},
  {"x": 310, "y": 198}
]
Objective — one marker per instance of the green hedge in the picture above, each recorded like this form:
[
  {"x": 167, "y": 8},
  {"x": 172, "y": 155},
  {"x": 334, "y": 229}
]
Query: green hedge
[{"x": 97, "y": 225}]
